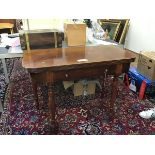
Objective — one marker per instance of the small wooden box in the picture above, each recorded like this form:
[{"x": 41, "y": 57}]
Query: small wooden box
[
  {"x": 75, "y": 34},
  {"x": 41, "y": 39}
]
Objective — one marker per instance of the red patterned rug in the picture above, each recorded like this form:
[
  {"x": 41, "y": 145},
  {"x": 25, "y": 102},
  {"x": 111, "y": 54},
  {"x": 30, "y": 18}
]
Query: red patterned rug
[{"x": 23, "y": 118}]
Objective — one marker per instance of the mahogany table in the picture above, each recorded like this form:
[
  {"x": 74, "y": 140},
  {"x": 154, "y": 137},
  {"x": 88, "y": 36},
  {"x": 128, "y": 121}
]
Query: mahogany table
[{"x": 47, "y": 66}]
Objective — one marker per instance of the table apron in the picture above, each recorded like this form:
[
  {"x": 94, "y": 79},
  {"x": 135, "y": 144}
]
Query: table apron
[{"x": 75, "y": 74}]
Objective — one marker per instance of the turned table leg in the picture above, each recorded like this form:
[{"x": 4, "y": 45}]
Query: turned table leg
[
  {"x": 113, "y": 96},
  {"x": 51, "y": 103},
  {"x": 114, "y": 91},
  {"x": 34, "y": 85},
  {"x": 5, "y": 70},
  {"x": 36, "y": 94},
  {"x": 52, "y": 109}
]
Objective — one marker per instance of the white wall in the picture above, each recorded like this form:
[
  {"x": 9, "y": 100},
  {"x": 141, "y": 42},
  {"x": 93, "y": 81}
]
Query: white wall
[
  {"x": 44, "y": 24},
  {"x": 141, "y": 35}
]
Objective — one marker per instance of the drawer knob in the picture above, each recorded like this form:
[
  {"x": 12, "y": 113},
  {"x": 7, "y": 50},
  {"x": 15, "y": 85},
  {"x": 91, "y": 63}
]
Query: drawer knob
[{"x": 66, "y": 75}]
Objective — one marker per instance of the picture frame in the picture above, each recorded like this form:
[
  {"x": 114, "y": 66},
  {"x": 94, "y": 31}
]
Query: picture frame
[
  {"x": 124, "y": 32},
  {"x": 114, "y": 28},
  {"x": 123, "y": 28}
]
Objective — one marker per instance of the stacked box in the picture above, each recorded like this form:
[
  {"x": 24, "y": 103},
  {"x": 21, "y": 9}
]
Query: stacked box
[{"x": 146, "y": 64}]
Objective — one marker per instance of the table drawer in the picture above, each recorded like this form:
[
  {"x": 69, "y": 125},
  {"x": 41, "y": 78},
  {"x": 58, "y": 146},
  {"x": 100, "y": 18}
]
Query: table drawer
[
  {"x": 81, "y": 73},
  {"x": 50, "y": 77}
]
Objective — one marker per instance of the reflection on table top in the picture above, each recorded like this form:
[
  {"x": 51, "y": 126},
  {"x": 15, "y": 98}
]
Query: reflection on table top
[
  {"x": 61, "y": 57},
  {"x": 17, "y": 51}
]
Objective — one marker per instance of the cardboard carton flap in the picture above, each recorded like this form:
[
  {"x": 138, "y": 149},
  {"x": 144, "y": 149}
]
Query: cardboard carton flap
[{"x": 149, "y": 54}]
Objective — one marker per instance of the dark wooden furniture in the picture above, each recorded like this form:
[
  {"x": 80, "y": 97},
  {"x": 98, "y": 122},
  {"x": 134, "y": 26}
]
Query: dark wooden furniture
[
  {"x": 41, "y": 39},
  {"x": 17, "y": 23},
  {"x": 47, "y": 66},
  {"x": 7, "y": 26},
  {"x": 9, "y": 21}
]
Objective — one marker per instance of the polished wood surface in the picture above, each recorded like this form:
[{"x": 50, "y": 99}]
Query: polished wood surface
[
  {"x": 47, "y": 66},
  {"x": 64, "y": 58}
]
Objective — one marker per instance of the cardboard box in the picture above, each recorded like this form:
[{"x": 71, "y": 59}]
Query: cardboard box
[
  {"x": 75, "y": 34},
  {"x": 91, "y": 86},
  {"x": 67, "y": 84},
  {"x": 81, "y": 88},
  {"x": 146, "y": 64},
  {"x": 78, "y": 89}
]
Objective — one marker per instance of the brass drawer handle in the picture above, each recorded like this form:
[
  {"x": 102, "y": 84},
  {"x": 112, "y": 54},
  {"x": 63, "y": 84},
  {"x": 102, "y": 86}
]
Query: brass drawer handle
[{"x": 66, "y": 75}]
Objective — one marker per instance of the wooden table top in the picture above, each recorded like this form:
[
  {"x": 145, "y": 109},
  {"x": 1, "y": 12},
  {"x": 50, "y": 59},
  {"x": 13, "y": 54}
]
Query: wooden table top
[
  {"x": 73, "y": 56},
  {"x": 6, "y": 26}
]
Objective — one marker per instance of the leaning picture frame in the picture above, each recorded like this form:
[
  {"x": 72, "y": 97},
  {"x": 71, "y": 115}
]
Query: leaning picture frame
[
  {"x": 124, "y": 32},
  {"x": 114, "y": 26}
]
